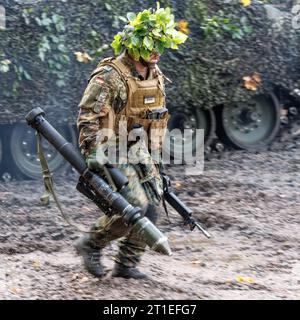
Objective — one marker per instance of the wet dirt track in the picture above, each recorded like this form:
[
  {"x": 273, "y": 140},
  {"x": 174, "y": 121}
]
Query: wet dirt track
[{"x": 250, "y": 203}]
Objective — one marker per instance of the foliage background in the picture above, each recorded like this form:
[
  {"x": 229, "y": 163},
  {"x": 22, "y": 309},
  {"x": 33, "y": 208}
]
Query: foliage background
[{"x": 38, "y": 66}]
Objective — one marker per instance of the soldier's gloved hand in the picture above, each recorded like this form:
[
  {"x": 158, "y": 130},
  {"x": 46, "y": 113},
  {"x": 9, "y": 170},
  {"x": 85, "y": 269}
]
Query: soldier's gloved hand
[
  {"x": 165, "y": 178},
  {"x": 94, "y": 160},
  {"x": 160, "y": 167},
  {"x": 97, "y": 162}
]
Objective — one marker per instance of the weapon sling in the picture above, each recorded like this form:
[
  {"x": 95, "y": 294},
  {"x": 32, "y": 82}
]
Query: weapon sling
[{"x": 48, "y": 183}]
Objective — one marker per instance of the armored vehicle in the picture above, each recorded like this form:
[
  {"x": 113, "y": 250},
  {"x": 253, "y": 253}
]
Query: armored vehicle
[{"x": 237, "y": 76}]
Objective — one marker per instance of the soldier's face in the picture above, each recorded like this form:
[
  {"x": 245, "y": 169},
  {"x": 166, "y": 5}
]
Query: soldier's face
[{"x": 154, "y": 57}]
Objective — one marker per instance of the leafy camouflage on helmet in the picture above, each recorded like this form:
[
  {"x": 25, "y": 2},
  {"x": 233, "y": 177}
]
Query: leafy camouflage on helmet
[{"x": 147, "y": 31}]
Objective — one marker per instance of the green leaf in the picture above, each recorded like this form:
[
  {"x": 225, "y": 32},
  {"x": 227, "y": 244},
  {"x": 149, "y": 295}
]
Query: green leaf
[
  {"x": 108, "y": 6},
  {"x": 60, "y": 27},
  {"x": 174, "y": 46},
  {"x": 152, "y": 17},
  {"x": 135, "y": 53},
  {"x": 94, "y": 33},
  {"x": 141, "y": 32},
  {"x": 64, "y": 58},
  {"x": 168, "y": 11},
  {"x": 46, "y": 22},
  {"x": 58, "y": 66},
  {"x": 131, "y": 16},
  {"x": 163, "y": 38},
  {"x": 137, "y": 21},
  {"x": 122, "y": 18},
  {"x": 156, "y": 33},
  {"x": 128, "y": 43},
  {"x": 38, "y": 21},
  {"x": 54, "y": 39},
  {"x": 160, "y": 47},
  {"x": 162, "y": 18},
  {"x": 61, "y": 47},
  {"x": 55, "y": 18},
  {"x": 247, "y": 29},
  {"x": 60, "y": 75},
  {"x": 60, "y": 83},
  {"x": 27, "y": 75},
  {"x": 168, "y": 43},
  {"x": 148, "y": 43},
  {"x": 145, "y": 54},
  {"x": 118, "y": 37},
  {"x": 243, "y": 20},
  {"x": 171, "y": 24},
  {"x": 136, "y": 41},
  {"x": 180, "y": 37},
  {"x": 4, "y": 68},
  {"x": 145, "y": 15},
  {"x": 41, "y": 55},
  {"x": 116, "y": 44}
]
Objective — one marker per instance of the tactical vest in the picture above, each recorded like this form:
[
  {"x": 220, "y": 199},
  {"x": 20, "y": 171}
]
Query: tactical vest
[{"x": 143, "y": 97}]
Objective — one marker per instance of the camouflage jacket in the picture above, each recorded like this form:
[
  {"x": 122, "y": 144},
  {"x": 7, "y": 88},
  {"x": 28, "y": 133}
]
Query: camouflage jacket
[{"x": 105, "y": 96}]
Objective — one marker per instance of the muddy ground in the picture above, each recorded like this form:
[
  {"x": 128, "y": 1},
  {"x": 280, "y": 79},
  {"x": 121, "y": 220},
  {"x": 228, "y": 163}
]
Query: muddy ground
[{"x": 250, "y": 203}]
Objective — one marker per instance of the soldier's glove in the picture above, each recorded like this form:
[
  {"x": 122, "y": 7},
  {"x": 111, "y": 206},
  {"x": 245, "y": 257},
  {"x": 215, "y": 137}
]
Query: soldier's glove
[
  {"x": 161, "y": 167},
  {"x": 95, "y": 160},
  {"x": 165, "y": 179}
]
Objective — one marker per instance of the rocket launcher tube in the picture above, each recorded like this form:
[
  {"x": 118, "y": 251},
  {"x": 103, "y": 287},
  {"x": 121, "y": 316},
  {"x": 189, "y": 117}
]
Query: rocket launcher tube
[{"x": 131, "y": 215}]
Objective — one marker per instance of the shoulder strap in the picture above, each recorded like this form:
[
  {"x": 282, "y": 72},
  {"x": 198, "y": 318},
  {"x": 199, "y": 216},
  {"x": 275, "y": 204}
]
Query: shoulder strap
[
  {"x": 119, "y": 67},
  {"x": 160, "y": 73},
  {"x": 99, "y": 67},
  {"x": 123, "y": 71},
  {"x": 106, "y": 60}
]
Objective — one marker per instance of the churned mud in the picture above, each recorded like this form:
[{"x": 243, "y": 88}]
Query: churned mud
[{"x": 250, "y": 203}]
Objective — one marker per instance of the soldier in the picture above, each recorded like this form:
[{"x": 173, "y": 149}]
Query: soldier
[{"x": 127, "y": 88}]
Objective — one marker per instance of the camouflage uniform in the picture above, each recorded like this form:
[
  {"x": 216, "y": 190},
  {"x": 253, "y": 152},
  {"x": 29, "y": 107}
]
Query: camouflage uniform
[{"x": 104, "y": 97}]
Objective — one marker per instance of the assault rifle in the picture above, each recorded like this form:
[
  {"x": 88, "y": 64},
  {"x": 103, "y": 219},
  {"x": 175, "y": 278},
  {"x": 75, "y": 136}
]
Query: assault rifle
[{"x": 180, "y": 207}]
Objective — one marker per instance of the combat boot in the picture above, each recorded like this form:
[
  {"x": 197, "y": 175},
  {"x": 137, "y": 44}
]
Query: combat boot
[
  {"x": 127, "y": 272},
  {"x": 91, "y": 256}
]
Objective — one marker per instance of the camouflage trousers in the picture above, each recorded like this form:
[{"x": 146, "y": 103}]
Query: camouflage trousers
[{"x": 139, "y": 192}]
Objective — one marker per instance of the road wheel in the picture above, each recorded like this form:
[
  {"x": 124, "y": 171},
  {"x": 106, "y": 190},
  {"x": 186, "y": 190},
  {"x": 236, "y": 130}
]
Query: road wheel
[
  {"x": 5, "y": 156},
  {"x": 250, "y": 125},
  {"x": 191, "y": 119},
  {"x": 23, "y": 149}
]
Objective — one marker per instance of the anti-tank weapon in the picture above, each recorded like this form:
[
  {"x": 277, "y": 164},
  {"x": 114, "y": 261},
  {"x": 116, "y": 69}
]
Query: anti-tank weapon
[{"x": 98, "y": 187}]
